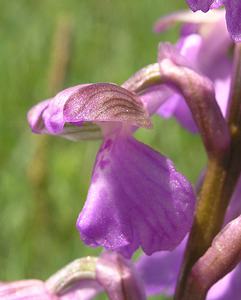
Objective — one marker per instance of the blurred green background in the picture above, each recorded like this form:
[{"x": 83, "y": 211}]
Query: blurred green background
[{"x": 44, "y": 181}]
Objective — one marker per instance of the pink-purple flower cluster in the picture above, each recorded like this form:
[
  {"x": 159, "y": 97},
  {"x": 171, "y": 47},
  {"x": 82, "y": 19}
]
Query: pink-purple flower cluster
[{"x": 136, "y": 197}]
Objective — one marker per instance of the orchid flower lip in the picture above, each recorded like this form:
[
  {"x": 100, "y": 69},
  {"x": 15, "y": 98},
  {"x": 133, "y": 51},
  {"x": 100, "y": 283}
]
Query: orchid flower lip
[{"x": 126, "y": 170}]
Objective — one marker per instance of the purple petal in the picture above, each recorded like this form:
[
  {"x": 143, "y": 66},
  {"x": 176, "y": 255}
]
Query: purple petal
[
  {"x": 183, "y": 114},
  {"x": 102, "y": 102},
  {"x": 53, "y": 116},
  {"x": 118, "y": 277},
  {"x": 75, "y": 131},
  {"x": 155, "y": 97},
  {"x": 47, "y": 116},
  {"x": 233, "y": 18},
  {"x": 176, "y": 107},
  {"x": 195, "y": 52},
  {"x": 160, "y": 270},
  {"x": 36, "y": 290},
  {"x": 167, "y": 21},
  {"x": 233, "y": 12},
  {"x": 136, "y": 198},
  {"x": 160, "y": 273},
  {"x": 167, "y": 109},
  {"x": 187, "y": 48},
  {"x": 203, "y": 5},
  {"x": 35, "y": 117},
  {"x": 222, "y": 87},
  {"x": 228, "y": 287},
  {"x": 169, "y": 51},
  {"x": 200, "y": 53},
  {"x": 217, "y": 3},
  {"x": 71, "y": 113},
  {"x": 25, "y": 290}
]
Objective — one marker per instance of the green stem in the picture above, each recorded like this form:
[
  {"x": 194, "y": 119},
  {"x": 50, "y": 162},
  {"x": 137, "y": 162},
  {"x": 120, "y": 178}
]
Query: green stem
[{"x": 218, "y": 186}]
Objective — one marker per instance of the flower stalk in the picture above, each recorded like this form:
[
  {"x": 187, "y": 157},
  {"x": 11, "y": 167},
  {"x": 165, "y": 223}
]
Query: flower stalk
[{"x": 219, "y": 183}]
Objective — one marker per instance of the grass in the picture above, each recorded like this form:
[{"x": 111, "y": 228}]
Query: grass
[{"x": 110, "y": 40}]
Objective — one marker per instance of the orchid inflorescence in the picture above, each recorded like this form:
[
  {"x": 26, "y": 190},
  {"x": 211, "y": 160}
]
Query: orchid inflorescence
[{"x": 137, "y": 198}]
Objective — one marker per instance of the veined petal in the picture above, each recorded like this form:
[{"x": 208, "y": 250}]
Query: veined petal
[
  {"x": 73, "y": 112},
  {"x": 136, "y": 198},
  {"x": 103, "y": 102}
]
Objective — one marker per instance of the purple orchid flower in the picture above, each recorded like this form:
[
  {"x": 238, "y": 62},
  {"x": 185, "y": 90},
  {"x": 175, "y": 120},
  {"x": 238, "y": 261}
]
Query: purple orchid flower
[
  {"x": 202, "y": 55},
  {"x": 233, "y": 13},
  {"x": 136, "y": 197}
]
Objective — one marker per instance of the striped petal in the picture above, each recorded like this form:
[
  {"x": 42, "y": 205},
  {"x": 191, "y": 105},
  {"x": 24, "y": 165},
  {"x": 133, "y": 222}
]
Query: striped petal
[{"x": 74, "y": 112}]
